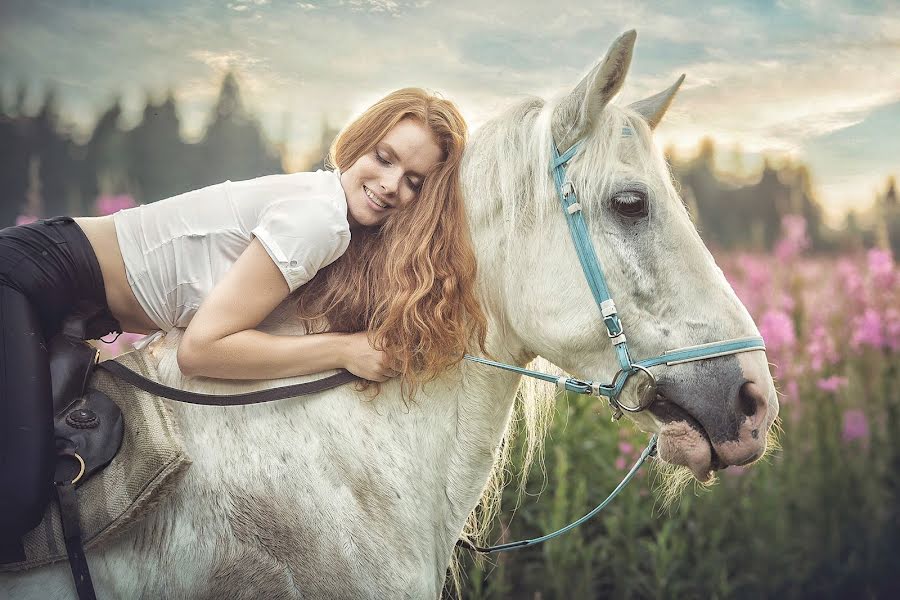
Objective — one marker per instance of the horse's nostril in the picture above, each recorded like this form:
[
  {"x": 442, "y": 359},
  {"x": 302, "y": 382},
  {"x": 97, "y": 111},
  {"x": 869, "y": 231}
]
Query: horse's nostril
[{"x": 748, "y": 400}]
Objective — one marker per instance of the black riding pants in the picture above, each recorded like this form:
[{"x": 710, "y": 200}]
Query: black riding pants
[{"x": 48, "y": 270}]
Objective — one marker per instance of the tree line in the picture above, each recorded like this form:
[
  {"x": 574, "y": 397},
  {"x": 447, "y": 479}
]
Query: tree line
[{"x": 45, "y": 172}]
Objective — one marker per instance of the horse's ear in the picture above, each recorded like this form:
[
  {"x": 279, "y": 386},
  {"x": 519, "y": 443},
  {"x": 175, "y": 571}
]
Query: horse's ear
[
  {"x": 654, "y": 107},
  {"x": 574, "y": 115}
]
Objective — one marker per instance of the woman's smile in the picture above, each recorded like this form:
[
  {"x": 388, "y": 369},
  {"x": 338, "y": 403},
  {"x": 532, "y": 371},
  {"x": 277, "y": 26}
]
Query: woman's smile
[{"x": 376, "y": 200}]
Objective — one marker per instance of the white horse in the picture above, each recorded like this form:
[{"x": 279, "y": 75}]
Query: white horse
[{"x": 331, "y": 496}]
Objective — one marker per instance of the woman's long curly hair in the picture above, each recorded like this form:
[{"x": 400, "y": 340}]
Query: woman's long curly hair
[{"x": 409, "y": 282}]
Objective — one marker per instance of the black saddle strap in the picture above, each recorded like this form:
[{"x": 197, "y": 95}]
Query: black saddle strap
[
  {"x": 68, "y": 510},
  {"x": 279, "y": 393}
]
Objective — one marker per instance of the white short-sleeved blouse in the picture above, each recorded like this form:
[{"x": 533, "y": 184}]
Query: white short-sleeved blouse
[{"x": 176, "y": 250}]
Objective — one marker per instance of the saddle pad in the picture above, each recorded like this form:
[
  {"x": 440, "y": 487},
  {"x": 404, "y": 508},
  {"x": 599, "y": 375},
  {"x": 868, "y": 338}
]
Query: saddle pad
[{"x": 148, "y": 467}]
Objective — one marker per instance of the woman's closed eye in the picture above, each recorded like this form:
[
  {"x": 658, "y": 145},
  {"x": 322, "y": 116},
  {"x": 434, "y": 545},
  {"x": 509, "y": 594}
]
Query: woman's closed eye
[
  {"x": 382, "y": 159},
  {"x": 415, "y": 186}
]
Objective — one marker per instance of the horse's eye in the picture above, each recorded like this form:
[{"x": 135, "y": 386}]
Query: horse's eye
[{"x": 631, "y": 204}]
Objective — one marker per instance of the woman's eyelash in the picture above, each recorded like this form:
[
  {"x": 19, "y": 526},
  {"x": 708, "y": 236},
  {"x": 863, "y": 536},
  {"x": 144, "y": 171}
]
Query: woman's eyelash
[{"x": 416, "y": 187}]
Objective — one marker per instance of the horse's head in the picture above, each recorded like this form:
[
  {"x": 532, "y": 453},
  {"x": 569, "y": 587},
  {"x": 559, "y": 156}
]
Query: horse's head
[{"x": 670, "y": 294}]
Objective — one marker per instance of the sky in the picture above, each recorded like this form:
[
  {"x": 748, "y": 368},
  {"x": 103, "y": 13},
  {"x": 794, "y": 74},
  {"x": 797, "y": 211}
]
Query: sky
[{"x": 812, "y": 81}]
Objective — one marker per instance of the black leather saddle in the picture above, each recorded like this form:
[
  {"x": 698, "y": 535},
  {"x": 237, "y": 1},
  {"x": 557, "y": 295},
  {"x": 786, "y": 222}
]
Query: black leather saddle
[{"x": 86, "y": 421}]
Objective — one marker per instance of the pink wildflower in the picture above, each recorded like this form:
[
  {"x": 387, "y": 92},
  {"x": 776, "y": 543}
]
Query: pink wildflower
[
  {"x": 856, "y": 426},
  {"x": 620, "y": 463},
  {"x": 777, "y": 329},
  {"x": 791, "y": 391},
  {"x": 625, "y": 448},
  {"x": 881, "y": 268},
  {"x": 793, "y": 238},
  {"x": 831, "y": 384},
  {"x": 867, "y": 330},
  {"x": 821, "y": 349},
  {"x": 23, "y": 219},
  {"x": 750, "y": 276},
  {"x": 108, "y": 204},
  {"x": 757, "y": 273},
  {"x": 851, "y": 280}
]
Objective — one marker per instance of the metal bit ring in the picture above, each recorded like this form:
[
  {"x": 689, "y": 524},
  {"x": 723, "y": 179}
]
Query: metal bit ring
[{"x": 627, "y": 374}]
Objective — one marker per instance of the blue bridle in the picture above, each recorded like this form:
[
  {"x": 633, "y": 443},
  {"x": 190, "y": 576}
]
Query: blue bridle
[{"x": 593, "y": 272}]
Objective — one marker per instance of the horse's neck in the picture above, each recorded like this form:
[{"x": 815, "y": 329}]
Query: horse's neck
[
  {"x": 486, "y": 399},
  {"x": 439, "y": 452}
]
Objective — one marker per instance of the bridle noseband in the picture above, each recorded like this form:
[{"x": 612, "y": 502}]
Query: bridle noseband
[{"x": 590, "y": 265}]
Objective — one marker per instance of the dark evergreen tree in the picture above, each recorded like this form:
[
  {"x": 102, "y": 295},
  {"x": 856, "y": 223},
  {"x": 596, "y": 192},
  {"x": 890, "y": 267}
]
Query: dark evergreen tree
[
  {"x": 234, "y": 146},
  {"x": 160, "y": 161},
  {"x": 15, "y": 148},
  {"x": 889, "y": 216},
  {"x": 104, "y": 157},
  {"x": 56, "y": 164}
]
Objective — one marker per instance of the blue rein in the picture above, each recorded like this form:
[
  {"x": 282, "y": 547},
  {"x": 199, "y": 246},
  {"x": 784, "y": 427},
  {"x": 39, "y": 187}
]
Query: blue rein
[{"x": 593, "y": 272}]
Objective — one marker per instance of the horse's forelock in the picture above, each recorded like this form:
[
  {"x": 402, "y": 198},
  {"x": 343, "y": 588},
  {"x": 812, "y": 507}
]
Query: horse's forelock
[{"x": 508, "y": 170}]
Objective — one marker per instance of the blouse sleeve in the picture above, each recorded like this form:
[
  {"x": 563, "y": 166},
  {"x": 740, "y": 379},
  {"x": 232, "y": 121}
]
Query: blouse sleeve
[{"x": 302, "y": 235}]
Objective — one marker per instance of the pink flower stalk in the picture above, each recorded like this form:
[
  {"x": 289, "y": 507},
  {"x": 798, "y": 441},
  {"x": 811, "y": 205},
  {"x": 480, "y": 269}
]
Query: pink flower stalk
[
  {"x": 856, "y": 426},
  {"x": 831, "y": 384},
  {"x": 625, "y": 448},
  {"x": 867, "y": 330},
  {"x": 751, "y": 278},
  {"x": 881, "y": 268},
  {"x": 110, "y": 204},
  {"x": 757, "y": 272},
  {"x": 620, "y": 463},
  {"x": 777, "y": 329},
  {"x": 793, "y": 238},
  {"x": 791, "y": 391},
  {"x": 23, "y": 219},
  {"x": 821, "y": 349},
  {"x": 782, "y": 300},
  {"x": 851, "y": 281}
]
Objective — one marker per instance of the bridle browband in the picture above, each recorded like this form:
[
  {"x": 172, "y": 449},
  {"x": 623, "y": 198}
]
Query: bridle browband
[{"x": 593, "y": 272}]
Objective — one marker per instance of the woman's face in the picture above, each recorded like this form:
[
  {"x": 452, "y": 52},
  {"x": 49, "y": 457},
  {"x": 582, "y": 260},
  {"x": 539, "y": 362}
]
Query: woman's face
[{"x": 389, "y": 177}]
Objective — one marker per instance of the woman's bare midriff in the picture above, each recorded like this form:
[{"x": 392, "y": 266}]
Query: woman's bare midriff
[{"x": 101, "y": 233}]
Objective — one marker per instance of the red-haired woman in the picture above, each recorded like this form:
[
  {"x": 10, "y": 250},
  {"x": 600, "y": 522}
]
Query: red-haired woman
[{"x": 376, "y": 254}]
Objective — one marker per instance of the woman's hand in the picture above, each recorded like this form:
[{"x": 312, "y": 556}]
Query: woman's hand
[{"x": 364, "y": 361}]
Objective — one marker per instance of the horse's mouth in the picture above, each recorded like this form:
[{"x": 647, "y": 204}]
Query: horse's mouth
[{"x": 684, "y": 441}]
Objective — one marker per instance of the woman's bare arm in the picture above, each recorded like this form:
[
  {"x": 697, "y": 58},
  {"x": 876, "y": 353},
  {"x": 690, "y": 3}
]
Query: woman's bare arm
[{"x": 221, "y": 339}]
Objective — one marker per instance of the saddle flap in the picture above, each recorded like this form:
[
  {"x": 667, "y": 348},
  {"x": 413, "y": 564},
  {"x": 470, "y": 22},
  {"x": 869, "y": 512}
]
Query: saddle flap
[
  {"x": 92, "y": 428},
  {"x": 71, "y": 361}
]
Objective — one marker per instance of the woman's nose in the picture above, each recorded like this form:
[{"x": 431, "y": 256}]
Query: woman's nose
[{"x": 390, "y": 183}]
